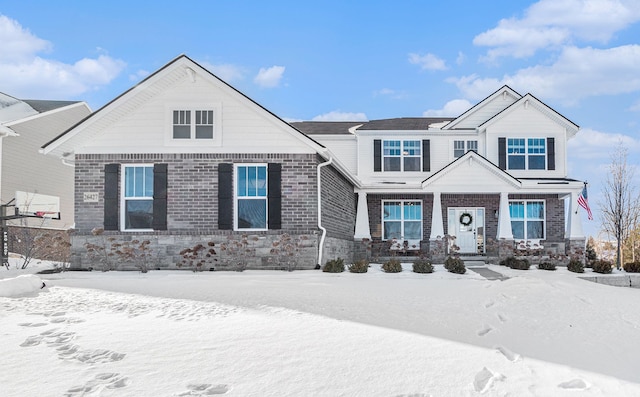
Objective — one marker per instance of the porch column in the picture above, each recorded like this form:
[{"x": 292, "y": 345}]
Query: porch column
[
  {"x": 437, "y": 225},
  {"x": 362, "y": 218},
  {"x": 574, "y": 221},
  {"x": 504, "y": 218}
]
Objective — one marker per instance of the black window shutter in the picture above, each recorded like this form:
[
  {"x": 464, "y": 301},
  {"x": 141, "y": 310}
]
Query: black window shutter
[
  {"x": 111, "y": 172},
  {"x": 502, "y": 153},
  {"x": 551, "y": 153},
  {"x": 274, "y": 198},
  {"x": 225, "y": 196},
  {"x": 377, "y": 155},
  {"x": 426, "y": 155},
  {"x": 159, "y": 197}
]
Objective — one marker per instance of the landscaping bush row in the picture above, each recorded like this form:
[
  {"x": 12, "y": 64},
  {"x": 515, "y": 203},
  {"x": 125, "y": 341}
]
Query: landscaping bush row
[{"x": 454, "y": 265}]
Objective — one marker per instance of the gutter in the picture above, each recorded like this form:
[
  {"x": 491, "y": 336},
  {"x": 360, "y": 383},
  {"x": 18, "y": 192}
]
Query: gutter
[{"x": 324, "y": 231}]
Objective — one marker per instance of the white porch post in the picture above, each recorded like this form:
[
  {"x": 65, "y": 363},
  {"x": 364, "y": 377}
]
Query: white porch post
[
  {"x": 437, "y": 225},
  {"x": 362, "y": 218},
  {"x": 574, "y": 221},
  {"x": 504, "y": 218}
]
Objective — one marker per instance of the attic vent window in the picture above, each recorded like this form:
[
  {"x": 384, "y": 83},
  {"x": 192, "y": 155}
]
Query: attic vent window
[{"x": 193, "y": 124}]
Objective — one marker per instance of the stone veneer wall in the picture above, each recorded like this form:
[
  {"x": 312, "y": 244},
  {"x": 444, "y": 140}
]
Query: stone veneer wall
[{"x": 192, "y": 212}]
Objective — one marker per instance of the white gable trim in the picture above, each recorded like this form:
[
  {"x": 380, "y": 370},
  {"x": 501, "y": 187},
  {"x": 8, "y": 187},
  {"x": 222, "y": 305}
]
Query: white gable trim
[{"x": 503, "y": 91}]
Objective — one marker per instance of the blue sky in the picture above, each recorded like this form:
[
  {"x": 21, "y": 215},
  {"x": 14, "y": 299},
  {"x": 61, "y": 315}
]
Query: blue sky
[{"x": 348, "y": 60}]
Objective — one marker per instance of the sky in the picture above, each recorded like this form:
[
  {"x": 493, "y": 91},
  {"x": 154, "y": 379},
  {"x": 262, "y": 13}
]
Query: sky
[{"x": 341, "y": 60}]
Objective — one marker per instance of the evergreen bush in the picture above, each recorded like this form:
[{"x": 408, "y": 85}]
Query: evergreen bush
[
  {"x": 632, "y": 267},
  {"x": 508, "y": 261},
  {"x": 575, "y": 266},
  {"x": 546, "y": 266},
  {"x": 422, "y": 266},
  {"x": 359, "y": 266},
  {"x": 455, "y": 265},
  {"x": 334, "y": 266},
  {"x": 392, "y": 266},
  {"x": 602, "y": 266}
]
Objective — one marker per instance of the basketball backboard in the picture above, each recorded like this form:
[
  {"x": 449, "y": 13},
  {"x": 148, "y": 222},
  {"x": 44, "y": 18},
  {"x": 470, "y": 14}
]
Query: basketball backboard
[{"x": 37, "y": 205}]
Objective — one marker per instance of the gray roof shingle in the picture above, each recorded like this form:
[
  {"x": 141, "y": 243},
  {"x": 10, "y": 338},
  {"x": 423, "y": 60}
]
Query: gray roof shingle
[{"x": 342, "y": 127}]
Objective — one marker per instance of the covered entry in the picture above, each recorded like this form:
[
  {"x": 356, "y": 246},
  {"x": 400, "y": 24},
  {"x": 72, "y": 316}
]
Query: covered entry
[{"x": 468, "y": 226}]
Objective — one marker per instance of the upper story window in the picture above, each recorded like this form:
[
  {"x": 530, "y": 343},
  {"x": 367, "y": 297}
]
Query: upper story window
[
  {"x": 137, "y": 200},
  {"x": 459, "y": 147},
  {"x": 526, "y": 153},
  {"x": 193, "y": 124},
  {"x": 402, "y": 155}
]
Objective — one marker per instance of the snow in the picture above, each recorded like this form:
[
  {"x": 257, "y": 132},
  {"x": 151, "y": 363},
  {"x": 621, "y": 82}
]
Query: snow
[{"x": 308, "y": 333}]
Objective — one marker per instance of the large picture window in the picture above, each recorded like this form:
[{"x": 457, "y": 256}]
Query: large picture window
[
  {"x": 251, "y": 197},
  {"x": 137, "y": 199},
  {"x": 526, "y": 153},
  {"x": 527, "y": 219},
  {"x": 402, "y": 155},
  {"x": 402, "y": 220}
]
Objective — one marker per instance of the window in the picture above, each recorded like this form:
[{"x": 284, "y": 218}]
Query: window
[
  {"x": 402, "y": 220},
  {"x": 459, "y": 147},
  {"x": 526, "y": 153},
  {"x": 527, "y": 219},
  {"x": 402, "y": 155},
  {"x": 193, "y": 124},
  {"x": 251, "y": 197},
  {"x": 137, "y": 209}
]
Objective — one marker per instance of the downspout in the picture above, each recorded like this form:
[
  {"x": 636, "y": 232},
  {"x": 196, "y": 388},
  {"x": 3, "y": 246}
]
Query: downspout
[{"x": 324, "y": 231}]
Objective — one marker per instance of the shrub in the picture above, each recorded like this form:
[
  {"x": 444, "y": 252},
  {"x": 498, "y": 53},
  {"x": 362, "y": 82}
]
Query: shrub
[
  {"x": 520, "y": 264},
  {"x": 455, "y": 265},
  {"x": 508, "y": 262},
  {"x": 632, "y": 267},
  {"x": 546, "y": 266},
  {"x": 422, "y": 266},
  {"x": 392, "y": 266},
  {"x": 334, "y": 266},
  {"x": 359, "y": 266},
  {"x": 602, "y": 266},
  {"x": 575, "y": 266}
]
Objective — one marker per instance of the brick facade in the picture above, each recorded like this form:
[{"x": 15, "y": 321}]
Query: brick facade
[{"x": 192, "y": 213}]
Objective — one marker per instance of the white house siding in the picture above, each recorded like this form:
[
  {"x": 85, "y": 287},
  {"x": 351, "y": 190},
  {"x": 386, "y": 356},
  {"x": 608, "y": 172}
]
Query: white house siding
[
  {"x": 25, "y": 169},
  {"x": 486, "y": 111},
  {"x": 245, "y": 127},
  {"x": 343, "y": 147},
  {"x": 528, "y": 122}
]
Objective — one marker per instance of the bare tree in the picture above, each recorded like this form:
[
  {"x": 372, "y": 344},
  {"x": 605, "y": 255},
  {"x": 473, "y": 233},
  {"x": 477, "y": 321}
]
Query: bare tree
[{"x": 620, "y": 205}]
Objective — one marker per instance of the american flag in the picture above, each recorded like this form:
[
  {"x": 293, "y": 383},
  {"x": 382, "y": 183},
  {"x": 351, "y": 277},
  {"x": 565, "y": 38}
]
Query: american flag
[{"x": 584, "y": 202}]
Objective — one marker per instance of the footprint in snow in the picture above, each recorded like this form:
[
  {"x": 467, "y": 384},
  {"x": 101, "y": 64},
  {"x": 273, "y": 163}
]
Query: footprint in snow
[
  {"x": 204, "y": 389},
  {"x": 509, "y": 355},
  {"x": 574, "y": 384},
  {"x": 484, "y": 379},
  {"x": 501, "y": 317},
  {"x": 99, "y": 382},
  {"x": 485, "y": 330},
  {"x": 489, "y": 304},
  {"x": 32, "y": 325}
]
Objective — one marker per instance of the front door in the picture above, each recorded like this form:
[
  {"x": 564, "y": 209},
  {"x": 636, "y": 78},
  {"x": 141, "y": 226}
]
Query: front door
[{"x": 467, "y": 225}]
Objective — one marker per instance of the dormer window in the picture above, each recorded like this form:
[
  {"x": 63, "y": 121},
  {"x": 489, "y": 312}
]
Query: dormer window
[{"x": 193, "y": 124}]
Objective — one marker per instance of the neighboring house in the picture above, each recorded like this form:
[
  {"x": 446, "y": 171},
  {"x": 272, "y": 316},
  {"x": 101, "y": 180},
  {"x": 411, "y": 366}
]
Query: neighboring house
[
  {"x": 183, "y": 159},
  {"x": 24, "y": 172}
]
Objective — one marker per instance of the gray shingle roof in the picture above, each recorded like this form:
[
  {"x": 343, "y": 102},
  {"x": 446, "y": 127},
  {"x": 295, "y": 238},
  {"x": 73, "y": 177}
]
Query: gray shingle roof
[
  {"x": 42, "y": 106},
  {"x": 342, "y": 127}
]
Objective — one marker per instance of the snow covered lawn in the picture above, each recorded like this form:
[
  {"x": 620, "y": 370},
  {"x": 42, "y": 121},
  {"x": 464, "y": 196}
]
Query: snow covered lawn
[{"x": 308, "y": 333}]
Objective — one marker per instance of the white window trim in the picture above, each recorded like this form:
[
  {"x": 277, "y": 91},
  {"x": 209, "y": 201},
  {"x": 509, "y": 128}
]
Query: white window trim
[
  {"x": 402, "y": 155},
  {"x": 402, "y": 220},
  {"x": 465, "y": 143},
  {"x": 216, "y": 107},
  {"x": 235, "y": 196},
  {"x": 544, "y": 218},
  {"x": 123, "y": 199}
]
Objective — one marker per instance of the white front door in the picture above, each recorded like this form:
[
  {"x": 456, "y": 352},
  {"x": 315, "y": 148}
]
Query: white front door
[{"x": 467, "y": 225}]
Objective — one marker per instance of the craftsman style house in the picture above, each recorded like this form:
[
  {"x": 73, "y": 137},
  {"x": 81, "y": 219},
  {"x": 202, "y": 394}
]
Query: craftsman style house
[{"x": 183, "y": 159}]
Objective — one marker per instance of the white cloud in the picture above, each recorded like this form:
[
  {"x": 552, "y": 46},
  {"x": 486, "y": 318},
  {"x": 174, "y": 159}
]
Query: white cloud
[
  {"x": 592, "y": 145},
  {"x": 551, "y": 23},
  {"x": 227, "y": 72},
  {"x": 337, "y": 115},
  {"x": 427, "y": 62},
  {"x": 26, "y": 75},
  {"x": 269, "y": 77},
  {"x": 635, "y": 107},
  {"x": 139, "y": 75},
  {"x": 607, "y": 71},
  {"x": 461, "y": 58},
  {"x": 388, "y": 92},
  {"x": 452, "y": 108}
]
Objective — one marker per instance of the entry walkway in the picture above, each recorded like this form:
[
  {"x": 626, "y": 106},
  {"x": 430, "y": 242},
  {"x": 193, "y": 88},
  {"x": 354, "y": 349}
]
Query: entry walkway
[{"x": 488, "y": 273}]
